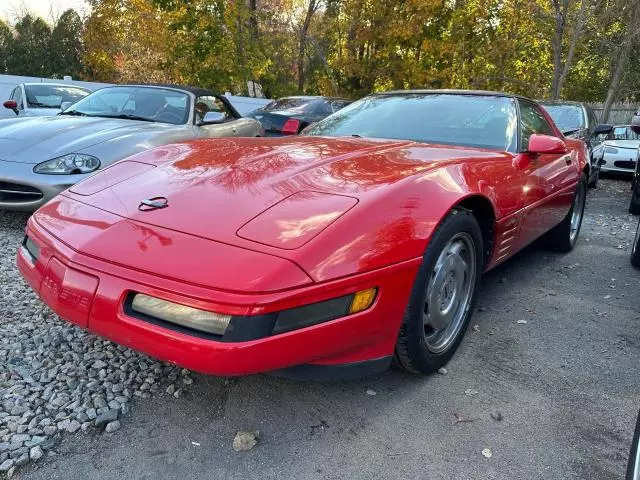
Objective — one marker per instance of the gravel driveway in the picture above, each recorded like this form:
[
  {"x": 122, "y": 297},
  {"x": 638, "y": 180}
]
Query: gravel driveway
[{"x": 545, "y": 385}]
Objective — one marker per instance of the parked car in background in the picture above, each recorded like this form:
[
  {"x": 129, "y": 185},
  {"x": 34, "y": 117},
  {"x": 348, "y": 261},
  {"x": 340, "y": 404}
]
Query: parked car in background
[
  {"x": 634, "y": 204},
  {"x": 618, "y": 151},
  {"x": 633, "y": 466},
  {"x": 40, "y": 157},
  {"x": 290, "y": 115},
  {"x": 577, "y": 120},
  {"x": 323, "y": 254},
  {"x": 42, "y": 99}
]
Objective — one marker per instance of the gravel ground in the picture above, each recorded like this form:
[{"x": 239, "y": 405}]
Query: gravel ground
[{"x": 545, "y": 385}]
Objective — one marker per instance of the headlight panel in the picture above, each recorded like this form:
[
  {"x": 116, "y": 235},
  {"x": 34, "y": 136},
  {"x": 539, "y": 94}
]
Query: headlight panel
[
  {"x": 611, "y": 150},
  {"x": 228, "y": 328},
  {"x": 70, "y": 164}
]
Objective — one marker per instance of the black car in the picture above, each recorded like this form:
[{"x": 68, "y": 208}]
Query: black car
[
  {"x": 290, "y": 115},
  {"x": 577, "y": 120},
  {"x": 634, "y": 204},
  {"x": 633, "y": 467}
]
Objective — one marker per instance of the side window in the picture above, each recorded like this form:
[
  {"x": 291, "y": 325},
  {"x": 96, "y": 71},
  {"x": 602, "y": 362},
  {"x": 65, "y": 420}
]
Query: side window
[
  {"x": 532, "y": 121},
  {"x": 211, "y": 104}
]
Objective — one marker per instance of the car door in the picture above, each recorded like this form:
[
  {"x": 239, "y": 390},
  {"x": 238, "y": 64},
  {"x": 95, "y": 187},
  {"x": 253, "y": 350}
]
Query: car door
[{"x": 554, "y": 174}]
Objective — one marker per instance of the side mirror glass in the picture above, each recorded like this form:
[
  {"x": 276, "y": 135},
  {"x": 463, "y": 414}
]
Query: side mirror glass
[
  {"x": 546, "y": 144},
  {"x": 212, "y": 118},
  {"x": 65, "y": 105},
  {"x": 11, "y": 105},
  {"x": 602, "y": 129}
]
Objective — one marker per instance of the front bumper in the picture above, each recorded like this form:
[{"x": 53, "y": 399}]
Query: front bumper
[
  {"x": 23, "y": 190},
  {"x": 92, "y": 294},
  {"x": 624, "y": 161}
]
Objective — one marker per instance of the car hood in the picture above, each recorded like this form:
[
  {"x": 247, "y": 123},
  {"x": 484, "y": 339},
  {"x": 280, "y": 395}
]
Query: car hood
[
  {"x": 34, "y": 140},
  {"x": 293, "y": 187},
  {"x": 623, "y": 143}
]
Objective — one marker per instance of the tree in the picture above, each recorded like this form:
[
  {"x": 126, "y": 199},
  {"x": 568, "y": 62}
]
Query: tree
[
  {"x": 6, "y": 40},
  {"x": 29, "y": 52},
  {"x": 66, "y": 45},
  {"x": 632, "y": 33}
]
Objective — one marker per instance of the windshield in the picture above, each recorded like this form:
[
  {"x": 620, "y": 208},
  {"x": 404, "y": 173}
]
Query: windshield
[
  {"x": 289, "y": 104},
  {"x": 568, "y": 118},
  {"x": 623, "y": 133},
  {"x": 51, "y": 96},
  {"x": 449, "y": 119},
  {"x": 135, "y": 103}
]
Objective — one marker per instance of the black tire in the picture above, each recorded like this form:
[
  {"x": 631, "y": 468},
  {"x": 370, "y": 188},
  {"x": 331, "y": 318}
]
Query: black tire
[
  {"x": 596, "y": 181},
  {"x": 412, "y": 352},
  {"x": 635, "y": 249},
  {"x": 563, "y": 237},
  {"x": 634, "y": 204}
]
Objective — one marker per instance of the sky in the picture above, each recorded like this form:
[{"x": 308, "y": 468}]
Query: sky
[{"x": 9, "y": 9}]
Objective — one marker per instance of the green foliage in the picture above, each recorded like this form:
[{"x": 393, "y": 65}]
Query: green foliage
[
  {"x": 29, "y": 49},
  {"x": 66, "y": 45}
]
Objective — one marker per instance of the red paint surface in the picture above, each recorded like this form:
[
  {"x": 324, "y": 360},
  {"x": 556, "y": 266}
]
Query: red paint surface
[{"x": 219, "y": 245}]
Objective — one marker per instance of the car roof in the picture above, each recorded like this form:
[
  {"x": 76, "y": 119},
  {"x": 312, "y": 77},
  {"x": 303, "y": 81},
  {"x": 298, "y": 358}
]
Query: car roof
[
  {"x": 53, "y": 84},
  {"x": 560, "y": 102},
  {"x": 197, "y": 91},
  {"x": 476, "y": 93},
  {"x": 313, "y": 97}
]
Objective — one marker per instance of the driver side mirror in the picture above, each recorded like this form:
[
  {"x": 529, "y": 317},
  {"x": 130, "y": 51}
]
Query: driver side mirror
[
  {"x": 11, "y": 105},
  {"x": 602, "y": 129},
  {"x": 546, "y": 144},
  {"x": 211, "y": 118},
  {"x": 65, "y": 105}
]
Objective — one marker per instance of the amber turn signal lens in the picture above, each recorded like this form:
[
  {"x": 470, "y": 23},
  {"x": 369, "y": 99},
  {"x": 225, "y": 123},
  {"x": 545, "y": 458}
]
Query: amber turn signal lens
[{"x": 363, "y": 300}]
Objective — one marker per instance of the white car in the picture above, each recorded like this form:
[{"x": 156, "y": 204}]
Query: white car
[
  {"x": 43, "y": 99},
  {"x": 619, "y": 150}
]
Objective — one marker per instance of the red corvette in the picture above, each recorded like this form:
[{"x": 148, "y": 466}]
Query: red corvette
[{"x": 323, "y": 255}]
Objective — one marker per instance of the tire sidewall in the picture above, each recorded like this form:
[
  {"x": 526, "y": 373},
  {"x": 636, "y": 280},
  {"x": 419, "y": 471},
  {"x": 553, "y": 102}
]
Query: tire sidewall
[{"x": 422, "y": 358}]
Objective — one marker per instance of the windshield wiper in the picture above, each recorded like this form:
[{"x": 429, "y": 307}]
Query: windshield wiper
[
  {"x": 41, "y": 105},
  {"x": 128, "y": 116},
  {"x": 571, "y": 132},
  {"x": 75, "y": 112}
]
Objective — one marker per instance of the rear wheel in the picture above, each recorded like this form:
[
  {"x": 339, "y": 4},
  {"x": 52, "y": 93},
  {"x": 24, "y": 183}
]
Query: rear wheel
[
  {"x": 635, "y": 249},
  {"x": 443, "y": 295},
  {"x": 634, "y": 204},
  {"x": 564, "y": 236}
]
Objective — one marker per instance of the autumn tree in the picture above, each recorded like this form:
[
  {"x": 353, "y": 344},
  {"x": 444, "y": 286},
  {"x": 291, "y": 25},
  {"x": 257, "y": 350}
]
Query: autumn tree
[{"x": 6, "y": 38}]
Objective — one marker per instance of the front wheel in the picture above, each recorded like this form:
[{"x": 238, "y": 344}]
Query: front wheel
[
  {"x": 596, "y": 181},
  {"x": 635, "y": 249},
  {"x": 564, "y": 236},
  {"x": 443, "y": 295},
  {"x": 634, "y": 204}
]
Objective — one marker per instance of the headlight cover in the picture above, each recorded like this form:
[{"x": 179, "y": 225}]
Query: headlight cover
[
  {"x": 70, "y": 164},
  {"x": 612, "y": 150}
]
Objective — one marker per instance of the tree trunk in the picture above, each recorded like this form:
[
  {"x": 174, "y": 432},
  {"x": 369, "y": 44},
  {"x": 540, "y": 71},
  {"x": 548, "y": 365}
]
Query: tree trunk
[
  {"x": 577, "y": 31},
  {"x": 621, "y": 61},
  {"x": 560, "y": 8},
  {"x": 302, "y": 44}
]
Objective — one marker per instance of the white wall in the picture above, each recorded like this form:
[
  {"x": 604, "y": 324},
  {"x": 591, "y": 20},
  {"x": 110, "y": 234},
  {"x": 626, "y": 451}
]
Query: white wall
[{"x": 245, "y": 105}]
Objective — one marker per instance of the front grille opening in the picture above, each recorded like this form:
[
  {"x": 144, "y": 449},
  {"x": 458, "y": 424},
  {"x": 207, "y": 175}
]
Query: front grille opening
[
  {"x": 625, "y": 164},
  {"x": 17, "y": 193}
]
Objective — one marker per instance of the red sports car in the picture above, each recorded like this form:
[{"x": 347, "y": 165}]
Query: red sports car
[{"x": 328, "y": 254}]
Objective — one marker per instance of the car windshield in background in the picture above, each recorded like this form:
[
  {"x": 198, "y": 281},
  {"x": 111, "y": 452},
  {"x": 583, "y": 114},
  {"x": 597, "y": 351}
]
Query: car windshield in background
[
  {"x": 448, "y": 119},
  {"x": 623, "y": 133},
  {"x": 135, "y": 103},
  {"x": 289, "y": 104},
  {"x": 52, "y": 96},
  {"x": 568, "y": 118}
]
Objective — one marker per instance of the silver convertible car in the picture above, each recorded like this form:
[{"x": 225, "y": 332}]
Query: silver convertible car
[{"x": 40, "y": 157}]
